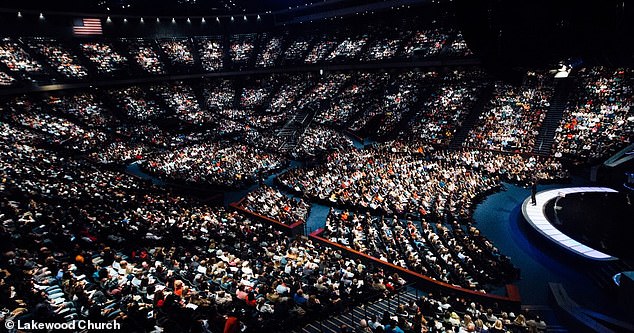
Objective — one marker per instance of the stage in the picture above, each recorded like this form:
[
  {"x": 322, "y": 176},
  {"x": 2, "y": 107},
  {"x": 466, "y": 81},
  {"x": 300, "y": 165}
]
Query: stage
[{"x": 592, "y": 222}]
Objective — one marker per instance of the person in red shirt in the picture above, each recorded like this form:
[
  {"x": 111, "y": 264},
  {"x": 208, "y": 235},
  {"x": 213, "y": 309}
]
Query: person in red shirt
[{"x": 232, "y": 325}]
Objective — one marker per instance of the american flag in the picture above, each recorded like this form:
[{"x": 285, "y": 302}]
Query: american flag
[{"x": 87, "y": 26}]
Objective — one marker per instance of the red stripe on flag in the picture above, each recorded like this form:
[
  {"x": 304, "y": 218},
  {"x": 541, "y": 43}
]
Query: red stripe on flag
[{"x": 88, "y": 27}]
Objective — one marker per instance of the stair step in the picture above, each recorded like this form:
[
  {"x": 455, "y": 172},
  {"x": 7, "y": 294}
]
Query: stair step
[
  {"x": 553, "y": 117},
  {"x": 339, "y": 321},
  {"x": 472, "y": 118},
  {"x": 352, "y": 316},
  {"x": 310, "y": 328},
  {"x": 329, "y": 326}
]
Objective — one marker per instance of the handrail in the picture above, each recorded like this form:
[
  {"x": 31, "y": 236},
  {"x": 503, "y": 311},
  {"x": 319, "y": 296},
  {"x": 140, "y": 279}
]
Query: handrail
[
  {"x": 512, "y": 299},
  {"x": 291, "y": 229}
]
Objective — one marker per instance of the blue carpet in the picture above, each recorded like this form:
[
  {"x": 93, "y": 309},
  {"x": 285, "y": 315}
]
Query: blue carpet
[
  {"x": 357, "y": 144},
  {"x": 499, "y": 218},
  {"x": 317, "y": 217},
  {"x": 234, "y": 196},
  {"x": 134, "y": 169}
]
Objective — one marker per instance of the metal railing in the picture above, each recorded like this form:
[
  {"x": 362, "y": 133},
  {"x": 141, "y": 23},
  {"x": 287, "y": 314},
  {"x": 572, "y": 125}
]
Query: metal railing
[{"x": 363, "y": 306}]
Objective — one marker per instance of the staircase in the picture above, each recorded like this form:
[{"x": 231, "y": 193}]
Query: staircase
[
  {"x": 259, "y": 45},
  {"x": 352, "y": 317},
  {"x": 164, "y": 58},
  {"x": 472, "y": 118},
  {"x": 49, "y": 74},
  {"x": 199, "y": 92},
  {"x": 198, "y": 62},
  {"x": 558, "y": 102},
  {"x": 294, "y": 128}
]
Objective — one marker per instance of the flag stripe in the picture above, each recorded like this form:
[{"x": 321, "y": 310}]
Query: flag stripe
[{"x": 88, "y": 26}]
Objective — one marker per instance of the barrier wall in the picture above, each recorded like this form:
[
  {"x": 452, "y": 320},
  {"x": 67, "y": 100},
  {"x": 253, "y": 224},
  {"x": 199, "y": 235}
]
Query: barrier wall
[
  {"x": 294, "y": 229},
  {"x": 512, "y": 300}
]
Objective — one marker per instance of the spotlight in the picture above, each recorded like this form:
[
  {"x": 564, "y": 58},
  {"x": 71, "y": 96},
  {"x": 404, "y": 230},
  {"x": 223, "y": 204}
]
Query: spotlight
[
  {"x": 202, "y": 20},
  {"x": 125, "y": 20},
  {"x": 173, "y": 20},
  {"x": 231, "y": 18},
  {"x": 259, "y": 17},
  {"x": 41, "y": 16},
  {"x": 141, "y": 21},
  {"x": 188, "y": 20},
  {"x": 19, "y": 14},
  {"x": 158, "y": 20},
  {"x": 245, "y": 17},
  {"x": 108, "y": 20},
  {"x": 217, "y": 19}
]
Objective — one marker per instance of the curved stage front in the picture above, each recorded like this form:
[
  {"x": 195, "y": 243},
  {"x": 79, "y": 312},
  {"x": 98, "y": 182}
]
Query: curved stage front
[{"x": 536, "y": 217}]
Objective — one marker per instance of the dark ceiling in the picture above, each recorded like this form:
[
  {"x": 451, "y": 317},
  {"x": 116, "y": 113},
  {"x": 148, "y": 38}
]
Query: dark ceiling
[
  {"x": 166, "y": 7},
  {"x": 510, "y": 32}
]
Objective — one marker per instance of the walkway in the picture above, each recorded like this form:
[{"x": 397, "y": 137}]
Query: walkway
[
  {"x": 536, "y": 217},
  {"x": 499, "y": 218}
]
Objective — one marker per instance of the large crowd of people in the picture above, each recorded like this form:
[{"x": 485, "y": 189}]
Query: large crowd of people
[
  {"x": 104, "y": 246},
  {"x": 160, "y": 261},
  {"x": 59, "y": 58},
  {"x": 512, "y": 119},
  {"x": 348, "y": 49},
  {"x": 179, "y": 51},
  {"x": 598, "y": 120},
  {"x": 136, "y": 103},
  {"x": 103, "y": 55},
  {"x": 85, "y": 107},
  {"x": 255, "y": 95},
  {"x": 146, "y": 56},
  {"x": 180, "y": 97},
  {"x": 320, "y": 140},
  {"x": 397, "y": 101},
  {"x": 449, "y": 254},
  {"x": 437, "y": 313},
  {"x": 419, "y": 183},
  {"x": 441, "y": 115},
  {"x": 325, "y": 90},
  {"x": 271, "y": 203},
  {"x": 219, "y": 95},
  {"x": 297, "y": 50},
  {"x": 321, "y": 49},
  {"x": 214, "y": 163},
  {"x": 288, "y": 93},
  {"x": 241, "y": 48},
  {"x": 386, "y": 48},
  {"x": 83, "y": 238},
  {"x": 211, "y": 54},
  {"x": 272, "y": 51},
  {"x": 415, "y": 105},
  {"x": 56, "y": 128},
  {"x": 16, "y": 59},
  {"x": 426, "y": 43},
  {"x": 358, "y": 95},
  {"x": 156, "y": 136}
]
